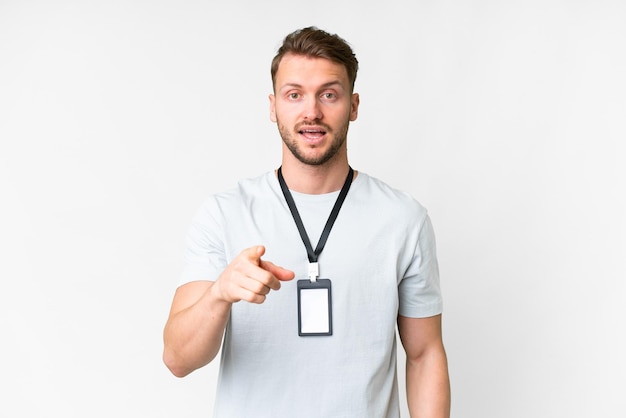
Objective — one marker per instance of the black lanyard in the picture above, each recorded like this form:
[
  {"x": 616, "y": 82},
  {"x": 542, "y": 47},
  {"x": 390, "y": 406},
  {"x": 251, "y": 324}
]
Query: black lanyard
[{"x": 331, "y": 219}]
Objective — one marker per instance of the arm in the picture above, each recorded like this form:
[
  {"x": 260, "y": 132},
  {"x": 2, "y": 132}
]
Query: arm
[
  {"x": 427, "y": 381},
  {"x": 200, "y": 310}
]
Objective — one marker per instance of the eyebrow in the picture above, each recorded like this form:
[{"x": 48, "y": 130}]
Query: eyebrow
[{"x": 322, "y": 87}]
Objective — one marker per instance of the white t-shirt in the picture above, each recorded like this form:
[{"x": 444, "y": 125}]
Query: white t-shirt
[{"x": 381, "y": 259}]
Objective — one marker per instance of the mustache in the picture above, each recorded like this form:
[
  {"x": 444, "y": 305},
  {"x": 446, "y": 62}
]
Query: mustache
[{"x": 301, "y": 125}]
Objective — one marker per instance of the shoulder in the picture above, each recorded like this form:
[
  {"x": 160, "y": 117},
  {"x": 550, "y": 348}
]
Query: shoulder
[
  {"x": 373, "y": 191},
  {"x": 238, "y": 197},
  {"x": 243, "y": 190}
]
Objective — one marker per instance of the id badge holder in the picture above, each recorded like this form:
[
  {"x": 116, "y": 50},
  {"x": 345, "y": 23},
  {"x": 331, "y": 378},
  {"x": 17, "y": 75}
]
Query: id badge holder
[{"x": 314, "y": 308}]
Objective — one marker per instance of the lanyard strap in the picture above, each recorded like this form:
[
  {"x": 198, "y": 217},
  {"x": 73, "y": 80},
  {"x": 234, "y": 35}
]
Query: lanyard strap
[{"x": 331, "y": 219}]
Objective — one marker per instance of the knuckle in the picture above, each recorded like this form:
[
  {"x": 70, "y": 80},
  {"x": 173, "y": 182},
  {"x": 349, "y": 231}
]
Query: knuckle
[
  {"x": 259, "y": 288},
  {"x": 255, "y": 298},
  {"x": 267, "y": 277}
]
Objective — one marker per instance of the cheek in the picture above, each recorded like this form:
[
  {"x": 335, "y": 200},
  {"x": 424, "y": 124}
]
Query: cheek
[{"x": 286, "y": 114}]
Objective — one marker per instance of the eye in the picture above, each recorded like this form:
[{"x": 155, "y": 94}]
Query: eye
[
  {"x": 329, "y": 96},
  {"x": 294, "y": 96}
]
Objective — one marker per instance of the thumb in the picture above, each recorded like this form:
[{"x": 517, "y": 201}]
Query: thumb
[
  {"x": 255, "y": 253},
  {"x": 260, "y": 250}
]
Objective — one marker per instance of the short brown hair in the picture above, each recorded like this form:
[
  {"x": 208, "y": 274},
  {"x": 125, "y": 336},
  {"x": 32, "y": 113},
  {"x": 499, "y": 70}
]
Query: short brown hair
[{"x": 316, "y": 43}]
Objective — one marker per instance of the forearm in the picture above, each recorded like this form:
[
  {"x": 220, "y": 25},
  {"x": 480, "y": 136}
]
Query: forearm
[
  {"x": 428, "y": 385},
  {"x": 200, "y": 310},
  {"x": 193, "y": 336}
]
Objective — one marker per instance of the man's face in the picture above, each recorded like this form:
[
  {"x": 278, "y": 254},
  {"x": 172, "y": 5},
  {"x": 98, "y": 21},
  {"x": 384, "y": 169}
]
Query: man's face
[{"x": 313, "y": 106}]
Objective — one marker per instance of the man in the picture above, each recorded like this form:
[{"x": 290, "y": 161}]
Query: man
[{"x": 322, "y": 345}]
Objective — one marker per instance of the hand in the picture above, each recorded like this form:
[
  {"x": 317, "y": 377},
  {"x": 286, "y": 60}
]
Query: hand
[{"x": 249, "y": 278}]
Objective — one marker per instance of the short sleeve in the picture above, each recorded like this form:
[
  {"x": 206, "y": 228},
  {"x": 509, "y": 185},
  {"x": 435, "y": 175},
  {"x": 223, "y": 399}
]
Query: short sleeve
[
  {"x": 419, "y": 290},
  {"x": 204, "y": 251}
]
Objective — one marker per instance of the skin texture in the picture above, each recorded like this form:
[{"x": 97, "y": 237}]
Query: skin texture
[
  {"x": 314, "y": 112},
  {"x": 312, "y": 105},
  {"x": 427, "y": 381}
]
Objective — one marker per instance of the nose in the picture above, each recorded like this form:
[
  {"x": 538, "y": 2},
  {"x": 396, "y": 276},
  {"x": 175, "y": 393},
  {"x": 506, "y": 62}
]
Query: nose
[{"x": 312, "y": 109}]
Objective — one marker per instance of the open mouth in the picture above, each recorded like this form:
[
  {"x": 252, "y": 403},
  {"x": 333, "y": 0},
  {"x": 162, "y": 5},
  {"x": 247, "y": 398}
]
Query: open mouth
[{"x": 312, "y": 133}]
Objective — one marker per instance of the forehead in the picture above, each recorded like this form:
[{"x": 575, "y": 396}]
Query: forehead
[{"x": 309, "y": 71}]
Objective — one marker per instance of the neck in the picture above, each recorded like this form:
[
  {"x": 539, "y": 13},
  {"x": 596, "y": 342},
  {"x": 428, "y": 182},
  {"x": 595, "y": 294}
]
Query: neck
[{"x": 310, "y": 179}]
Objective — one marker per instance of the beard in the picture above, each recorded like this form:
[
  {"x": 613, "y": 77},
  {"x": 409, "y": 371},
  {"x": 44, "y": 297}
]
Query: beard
[{"x": 290, "y": 139}]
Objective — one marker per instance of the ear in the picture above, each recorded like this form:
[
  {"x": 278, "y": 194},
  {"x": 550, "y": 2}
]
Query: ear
[
  {"x": 272, "y": 108},
  {"x": 354, "y": 106}
]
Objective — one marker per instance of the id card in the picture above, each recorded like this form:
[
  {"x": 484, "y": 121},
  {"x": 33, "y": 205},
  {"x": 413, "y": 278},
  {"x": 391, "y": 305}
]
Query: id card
[{"x": 314, "y": 308}]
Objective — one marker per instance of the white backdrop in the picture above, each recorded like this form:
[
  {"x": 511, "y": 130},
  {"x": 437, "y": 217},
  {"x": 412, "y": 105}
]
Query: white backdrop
[{"x": 505, "y": 119}]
